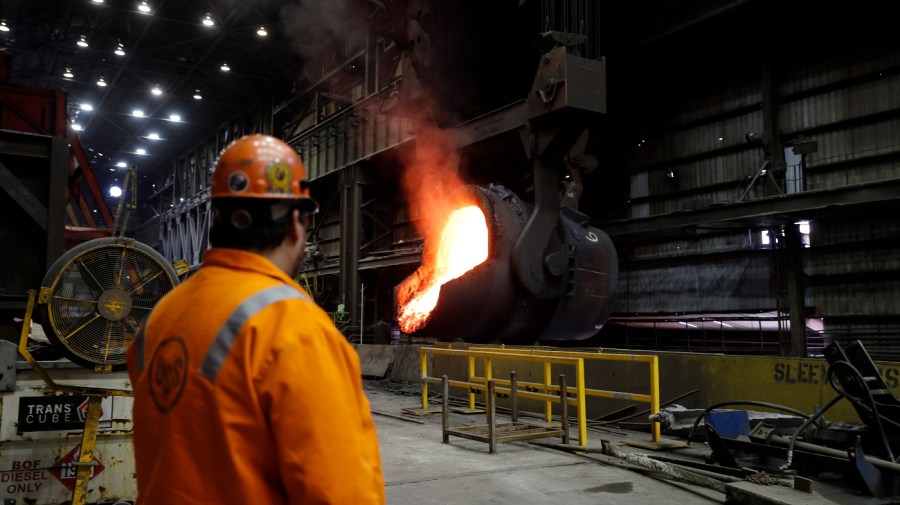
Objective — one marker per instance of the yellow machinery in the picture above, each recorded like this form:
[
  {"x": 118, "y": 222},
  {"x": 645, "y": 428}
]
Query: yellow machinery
[
  {"x": 95, "y": 297},
  {"x": 92, "y": 302}
]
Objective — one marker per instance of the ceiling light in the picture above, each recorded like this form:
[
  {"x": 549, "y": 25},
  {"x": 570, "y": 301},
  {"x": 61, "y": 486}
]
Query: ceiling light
[
  {"x": 76, "y": 127},
  {"x": 141, "y": 151},
  {"x": 207, "y": 21},
  {"x": 82, "y": 41},
  {"x": 225, "y": 67},
  {"x": 143, "y": 7},
  {"x": 98, "y": 1},
  {"x": 174, "y": 117},
  {"x": 137, "y": 113},
  {"x": 156, "y": 90},
  {"x": 101, "y": 82},
  {"x": 87, "y": 107},
  {"x": 197, "y": 95},
  {"x": 153, "y": 136},
  {"x": 3, "y": 26},
  {"x": 68, "y": 73},
  {"x": 120, "y": 49},
  {"x": 120, "y": 164},
  {"x": 262, "y": 31},
  {"x": 115, "y": 191}
]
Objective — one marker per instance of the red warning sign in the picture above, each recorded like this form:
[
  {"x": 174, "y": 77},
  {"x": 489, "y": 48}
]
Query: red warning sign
[{"x": 66, "y": 470}]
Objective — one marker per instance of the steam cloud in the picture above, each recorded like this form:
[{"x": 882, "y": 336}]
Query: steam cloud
[
  {"x": 323, "y": 29},
  {"x": 431, "y": 174}
]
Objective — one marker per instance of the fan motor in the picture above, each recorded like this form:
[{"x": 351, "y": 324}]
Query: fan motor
[{"x": 97, "y": 296}]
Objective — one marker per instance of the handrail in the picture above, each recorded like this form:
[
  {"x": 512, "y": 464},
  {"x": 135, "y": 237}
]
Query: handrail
[
  {"x": 652, "y": 360},
  {"x": 488, "y": 357},
  {"x": 653, "y": 398}
]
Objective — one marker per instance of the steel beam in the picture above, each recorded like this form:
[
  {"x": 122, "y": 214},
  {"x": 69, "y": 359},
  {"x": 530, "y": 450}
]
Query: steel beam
[
  {"x": 510, "y": 118},
  {"x": 23, "y": 196},
  {"x": 809, "y": 203}
]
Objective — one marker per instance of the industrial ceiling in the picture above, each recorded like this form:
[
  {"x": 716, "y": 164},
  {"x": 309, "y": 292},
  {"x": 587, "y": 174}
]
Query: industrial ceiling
[{"x": 173, "y": 71}]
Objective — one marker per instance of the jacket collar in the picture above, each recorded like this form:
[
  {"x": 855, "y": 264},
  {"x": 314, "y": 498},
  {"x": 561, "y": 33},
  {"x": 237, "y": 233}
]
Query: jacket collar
[{"x": 237, "y": 259}]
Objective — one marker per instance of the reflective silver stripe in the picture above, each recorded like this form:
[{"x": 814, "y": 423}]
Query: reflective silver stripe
[{"x": 226, "y": 336}]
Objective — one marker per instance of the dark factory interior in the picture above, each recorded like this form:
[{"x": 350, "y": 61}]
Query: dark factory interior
[{"x": 682, "y": 179}]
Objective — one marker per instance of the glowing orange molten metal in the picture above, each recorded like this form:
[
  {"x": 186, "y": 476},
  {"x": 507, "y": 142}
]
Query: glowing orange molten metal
[{"x": 463, "y": 245}]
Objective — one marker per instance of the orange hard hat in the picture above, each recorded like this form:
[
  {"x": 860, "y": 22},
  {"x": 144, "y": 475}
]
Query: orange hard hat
[{"x": 261, "y": 166}]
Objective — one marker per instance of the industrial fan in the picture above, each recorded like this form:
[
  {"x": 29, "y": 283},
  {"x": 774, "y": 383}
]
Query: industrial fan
[{"x": 95, "y": 298}]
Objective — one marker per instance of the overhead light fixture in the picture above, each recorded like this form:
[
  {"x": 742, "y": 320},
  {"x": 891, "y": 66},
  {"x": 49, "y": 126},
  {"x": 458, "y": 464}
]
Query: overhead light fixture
[
  {"x": 143, "y": 7},
  {"x": 76, "y": 127},
  {"x": 120, "y": 49},
  {"x": 98, "y": 1},
  {"x": 120, "y": 164},
  {"x": 82, "y": 41},
  {"x": 174, "y": 117},
  {"x": 225, "y": 67},
  {"x": 137, "y": 113},
  {"x": 3, "y": 26},
  {"x": 262, "y": 31},
  {"x": 101, "y": 82},
  {"x": 197, "y": 95},
  {"x": 68, "y": 73},
  {"x": 141, "y": 151},
  {"x": 207, "y": 21},
  {"x": 153, "y": 136},
  {"x": 115, "y": 191},
  {"x": 156, "y": 90},
  {"x": 87, "y": 107}
]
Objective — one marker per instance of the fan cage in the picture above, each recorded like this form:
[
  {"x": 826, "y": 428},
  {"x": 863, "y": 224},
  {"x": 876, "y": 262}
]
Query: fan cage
[{"x": 73, "y": 301}]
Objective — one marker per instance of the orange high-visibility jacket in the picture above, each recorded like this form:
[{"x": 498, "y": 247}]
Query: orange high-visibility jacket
[{"x": 245, "y": 392}]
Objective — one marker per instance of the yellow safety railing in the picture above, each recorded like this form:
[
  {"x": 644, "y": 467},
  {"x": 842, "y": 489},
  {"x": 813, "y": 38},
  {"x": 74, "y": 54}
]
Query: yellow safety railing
[
  {"x": 539, "y": 354},
  {"x": 578, "y": 401},
  {"x": 653, "y": 361}
]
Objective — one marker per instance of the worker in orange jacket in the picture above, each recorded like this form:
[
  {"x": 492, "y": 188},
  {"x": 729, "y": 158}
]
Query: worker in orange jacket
[{"x": 244, "y": 391}]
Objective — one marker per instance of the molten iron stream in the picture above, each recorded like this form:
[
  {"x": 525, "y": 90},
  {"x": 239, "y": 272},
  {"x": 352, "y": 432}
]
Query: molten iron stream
[{"x": 463, "y": 245}]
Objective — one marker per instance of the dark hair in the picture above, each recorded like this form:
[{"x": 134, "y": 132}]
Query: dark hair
[{"x": 248, "y": 223}]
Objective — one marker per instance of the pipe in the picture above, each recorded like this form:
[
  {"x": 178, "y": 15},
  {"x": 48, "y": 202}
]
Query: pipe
[{"x": 825, "y": 451}]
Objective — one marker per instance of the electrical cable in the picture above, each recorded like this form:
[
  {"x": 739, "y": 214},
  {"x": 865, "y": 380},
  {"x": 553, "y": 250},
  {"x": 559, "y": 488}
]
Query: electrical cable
[{"x": 798, "y": 431}]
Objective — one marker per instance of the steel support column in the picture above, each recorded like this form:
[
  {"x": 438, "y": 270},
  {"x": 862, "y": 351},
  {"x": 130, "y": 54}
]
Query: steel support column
[
  {"x": 57, "y": 199},
  {"x": 796, "y": 299},
  {"x": 772, "y": 134},
  {"x": 351, "y": 219}
]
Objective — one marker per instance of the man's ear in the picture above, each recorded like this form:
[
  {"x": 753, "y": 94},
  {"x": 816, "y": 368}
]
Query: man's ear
[{"x": 296, "y": 231}]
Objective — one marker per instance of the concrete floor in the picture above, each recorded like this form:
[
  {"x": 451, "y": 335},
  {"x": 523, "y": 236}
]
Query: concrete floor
[{"x": 420, "y": 470}]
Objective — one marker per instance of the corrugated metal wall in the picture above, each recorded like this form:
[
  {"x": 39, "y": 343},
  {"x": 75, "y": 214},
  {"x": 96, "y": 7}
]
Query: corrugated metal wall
[{"x": 696, "y": 153}]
